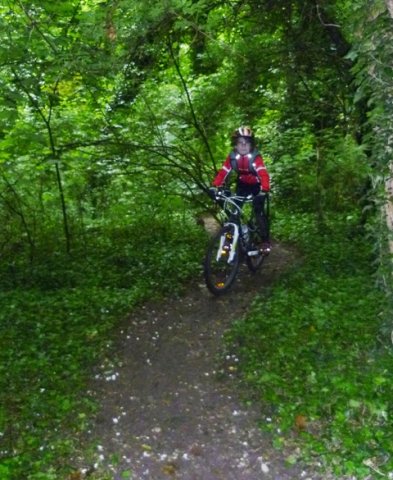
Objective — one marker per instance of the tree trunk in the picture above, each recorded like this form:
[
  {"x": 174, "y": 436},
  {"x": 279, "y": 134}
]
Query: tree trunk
[
  {"x": 389, "y": 207},
  {"x": 389, "y": 182},
  {"x": 63, "y": 208},
  {"x": 389, "y": 4}
]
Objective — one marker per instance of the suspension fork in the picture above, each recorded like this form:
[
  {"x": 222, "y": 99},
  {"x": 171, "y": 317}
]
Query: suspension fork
[{"x": 234, "y": 242}]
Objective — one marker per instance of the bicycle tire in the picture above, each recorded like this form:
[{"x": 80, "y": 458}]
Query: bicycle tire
[
  {"x": 219, "y": 272},
  {"x": 254, "y": 262}
]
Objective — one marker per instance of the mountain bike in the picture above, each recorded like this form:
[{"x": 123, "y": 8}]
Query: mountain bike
[{"x": 238, "y": 239}]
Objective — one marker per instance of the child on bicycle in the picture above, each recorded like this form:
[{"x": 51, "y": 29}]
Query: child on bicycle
[{"x": 252, "y": 177}]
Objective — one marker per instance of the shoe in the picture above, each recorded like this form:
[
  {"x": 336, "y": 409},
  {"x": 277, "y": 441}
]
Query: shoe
[{"x": 266, "y": 248}]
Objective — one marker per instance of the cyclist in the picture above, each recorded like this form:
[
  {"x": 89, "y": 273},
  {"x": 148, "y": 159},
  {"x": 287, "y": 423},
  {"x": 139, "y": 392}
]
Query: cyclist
[{"x": 252, "y": 177}]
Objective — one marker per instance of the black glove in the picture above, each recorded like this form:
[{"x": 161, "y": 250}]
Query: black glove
[{"x": 212, "y": 192}]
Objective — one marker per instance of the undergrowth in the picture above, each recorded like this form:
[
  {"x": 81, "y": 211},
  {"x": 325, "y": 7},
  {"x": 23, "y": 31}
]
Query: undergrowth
[
  {"x": 314, "y": 356},
  {"x": 56, "y": 319}
]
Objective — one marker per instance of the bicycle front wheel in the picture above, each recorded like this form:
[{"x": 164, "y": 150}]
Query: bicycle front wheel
[{"x": 221, "y": 261}]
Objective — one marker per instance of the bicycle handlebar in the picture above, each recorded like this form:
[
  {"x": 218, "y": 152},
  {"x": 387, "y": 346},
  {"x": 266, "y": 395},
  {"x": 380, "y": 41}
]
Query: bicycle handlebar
[{"x": 233, "y": 203}]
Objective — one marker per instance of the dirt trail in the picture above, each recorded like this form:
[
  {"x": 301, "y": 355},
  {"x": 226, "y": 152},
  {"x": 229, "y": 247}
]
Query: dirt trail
[{"x": 166, "y": 412}]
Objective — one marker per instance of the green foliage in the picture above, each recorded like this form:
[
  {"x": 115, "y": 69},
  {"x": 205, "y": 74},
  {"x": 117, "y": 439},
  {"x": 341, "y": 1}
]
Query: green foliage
[
  {"x": 311, "y": 353},
  {"x": 322, "y": 172},
  {"x": 372, "y": 52},
  {"x": 114, "y": 116},
  {"x": 57, "y": 326}
]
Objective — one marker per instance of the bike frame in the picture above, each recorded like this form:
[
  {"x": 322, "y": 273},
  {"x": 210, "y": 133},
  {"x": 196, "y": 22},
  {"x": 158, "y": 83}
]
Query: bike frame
[
  {"x": 233, "y": 209},
  {"x": 229, "y": 246}
]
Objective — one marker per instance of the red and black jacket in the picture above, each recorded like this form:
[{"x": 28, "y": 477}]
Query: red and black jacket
[{"x": 250, "y": 169}]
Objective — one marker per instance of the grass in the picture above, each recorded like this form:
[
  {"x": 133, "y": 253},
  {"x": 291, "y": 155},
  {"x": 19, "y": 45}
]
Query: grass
[
  {"x": 313, "y": 352},
  {"x": 314, "y": 356},
  {"x": 56, "y": 327}
]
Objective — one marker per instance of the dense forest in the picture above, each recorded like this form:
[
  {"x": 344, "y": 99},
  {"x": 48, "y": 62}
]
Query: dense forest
[{"x": 114, "y": 117}]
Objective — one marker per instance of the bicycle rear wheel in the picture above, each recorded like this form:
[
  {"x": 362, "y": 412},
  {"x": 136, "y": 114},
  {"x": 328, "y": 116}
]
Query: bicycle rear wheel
[
  {"x": 254, "y": 256},
  {"x": 221, "y": 261}
]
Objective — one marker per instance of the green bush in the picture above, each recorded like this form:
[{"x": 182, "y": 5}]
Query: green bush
[
  {"x": 312, "y": 350},
  {"x": 56, "y": 327}
]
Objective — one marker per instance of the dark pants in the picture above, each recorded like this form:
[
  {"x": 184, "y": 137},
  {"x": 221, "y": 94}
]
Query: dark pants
[{"x": 259, "y": 204}]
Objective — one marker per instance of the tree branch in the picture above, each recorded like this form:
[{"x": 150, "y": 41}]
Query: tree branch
[{"x": 196, "y": 123}]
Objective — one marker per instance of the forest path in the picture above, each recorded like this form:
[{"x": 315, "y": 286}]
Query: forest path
[{"x": 170, "y": 408}]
